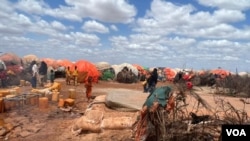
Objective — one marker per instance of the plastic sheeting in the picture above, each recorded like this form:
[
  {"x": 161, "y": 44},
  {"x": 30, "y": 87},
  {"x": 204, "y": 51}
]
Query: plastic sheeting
[
  {"x": 86, "y": 66},
  {"x": 102, "y": 65},
  {"x": 170, "y": 73},
  {"x": 27, "y": 59},
  {"x": 223, "y": 73},
  {"x": 11, "y": 59},
  {"x": 65, "y": 63},
  {"x": 118, "y": 68},
  {"x": 125, "y": 100}
]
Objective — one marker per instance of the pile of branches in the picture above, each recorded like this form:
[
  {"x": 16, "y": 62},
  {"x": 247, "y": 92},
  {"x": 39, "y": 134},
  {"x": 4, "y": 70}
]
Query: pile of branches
[
  {"x": 183, "y": 125},
  {"x": 236, "y": 85}
]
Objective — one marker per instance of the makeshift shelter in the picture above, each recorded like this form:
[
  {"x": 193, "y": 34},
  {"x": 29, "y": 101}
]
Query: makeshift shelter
[
  {"x": 12, "y": 62},
  {"x": 118, "y": 68},
  {"x": 84, "y": 67},
  {"x": 170, "y": 73},
  {"x": 50, "y": 62},
  {"x": 65, "y": 63},
  {"x": 125, "y": 73},
  {"x": 102, "y": 65},
  {"x": 107, "y": 74},
  {"x": 27, "y": 59},
  {"x": 140, "y": 69},
  {"x": 221, "y": 72},
  {"x": 11, "y": 59}
]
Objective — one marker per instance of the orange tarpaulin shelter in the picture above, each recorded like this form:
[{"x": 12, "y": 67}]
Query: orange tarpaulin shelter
[
  {"x": 10, "y": 59},
  {"x": 86, "y": 66},
  {"x": 65, "y": 63},
  {"x": 223, "y": 73},
  {"x": 170, "y": 73},
  {"x": 12, "y": 62},
  {"x": 50, "y": 62},
  {"x": 140, "y": 68}
]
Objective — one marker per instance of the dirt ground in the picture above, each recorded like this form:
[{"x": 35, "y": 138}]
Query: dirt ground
[
  {"x": 55, "y": 124},
  {"x": 29, "y": 123}
]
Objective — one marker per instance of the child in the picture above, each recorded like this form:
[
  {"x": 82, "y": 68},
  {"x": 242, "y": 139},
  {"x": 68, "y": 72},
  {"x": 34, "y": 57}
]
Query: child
[
  {"x": 88, "y": 86},
  {"x": 52, "y": 76}
]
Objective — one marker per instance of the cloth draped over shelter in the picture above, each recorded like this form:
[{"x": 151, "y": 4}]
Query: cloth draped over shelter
[
  {"x": 170, "y": 73},
  {"x": 118, "y": 68},
  {"x": 84, "y": 66}
]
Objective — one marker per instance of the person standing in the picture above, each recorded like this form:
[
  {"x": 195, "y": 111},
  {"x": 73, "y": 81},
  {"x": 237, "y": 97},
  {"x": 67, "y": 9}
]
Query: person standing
[
  {"x": 34, "y": 74},
  {"x": 3, "y": 74},
  {"x": 152, "y": 81},
  {"x": 75, "y": 75},
  {"x": 43, "y": 73},
  {"x": 68, "y": 75},
  {"x": 88, "y": 86},
  {"x": 52, "y": 76}
]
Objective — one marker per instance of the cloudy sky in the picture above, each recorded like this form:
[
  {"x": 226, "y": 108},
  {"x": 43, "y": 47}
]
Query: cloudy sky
[{"x": 198, "y": 34}]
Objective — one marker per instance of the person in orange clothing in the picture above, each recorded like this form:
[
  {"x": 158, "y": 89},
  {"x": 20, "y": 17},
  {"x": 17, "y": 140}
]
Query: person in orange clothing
[{"x": 88, "y": 86}]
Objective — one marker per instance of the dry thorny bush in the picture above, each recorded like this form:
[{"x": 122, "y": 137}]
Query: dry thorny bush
[{"x": 178, "y": 125}]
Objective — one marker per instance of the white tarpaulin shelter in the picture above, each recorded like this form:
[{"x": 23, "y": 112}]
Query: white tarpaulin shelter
[
  {"x": 102, "y": 65},
  {"x": 118, "y": 68}
]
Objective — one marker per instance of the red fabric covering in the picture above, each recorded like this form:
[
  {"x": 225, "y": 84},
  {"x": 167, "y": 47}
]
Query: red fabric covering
[
  {"x": 186, "y": 77},
  {"x": 223, "y": 73},
  {"x": 50, "y": 62},
  {"x": 189, "y": 85},
  {"x": 65, "y": 63},
  {"x": 86, "y": 66},
  {"x": 140, "y": 68},
  {"x": 10, "y": 59},
  {"x": 170, "y": 73}
]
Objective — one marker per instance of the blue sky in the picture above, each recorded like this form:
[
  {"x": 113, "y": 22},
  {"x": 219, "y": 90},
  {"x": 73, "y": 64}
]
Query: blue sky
[{"x": 198, "y": 34}]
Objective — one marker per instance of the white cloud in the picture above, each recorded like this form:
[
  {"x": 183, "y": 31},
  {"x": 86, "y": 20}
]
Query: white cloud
[
  {"x": 113, "y": 27},
  {"x": 223, "y": 15},
  {"x": 227, "y": 4},
  {"x": 93, "y": 26},
  {"x": 57, "y": 25},
  {"x": 104, "y": 10},
  {"x": 85, "y": 39},
  {"x": 32, "y": 6}
]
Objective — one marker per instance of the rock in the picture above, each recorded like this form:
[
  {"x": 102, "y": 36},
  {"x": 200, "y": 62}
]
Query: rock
[
  {"x": 33, "y": 129},
  {"x": 3, "y": 131},
  {"x": 25, "y": 133}
]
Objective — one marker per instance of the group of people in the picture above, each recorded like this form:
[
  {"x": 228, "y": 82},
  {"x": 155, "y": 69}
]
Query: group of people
[
  {"x": 73, "y": 75},
  {"x": 39, "y": 74}
]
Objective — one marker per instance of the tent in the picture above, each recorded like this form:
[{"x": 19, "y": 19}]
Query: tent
[
  {"x": 102, "y": 65},
  {"x": 12, "y": 62},
  {"x": 108, "y": 74},
  {"x": 222, "y": 72},
  {"x": 10, "y": 59},
  {"x": 65, "y": 63},
  {"x": 170, "y": 73},
  {"x": 84, "y": 66},
  {"x": 118, "y": 68},
  {"x": 27, "y": 59},
  {"x": 50, "y": 62}
]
